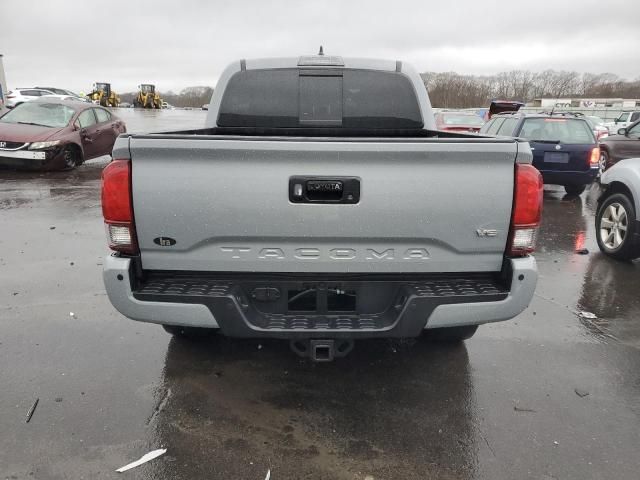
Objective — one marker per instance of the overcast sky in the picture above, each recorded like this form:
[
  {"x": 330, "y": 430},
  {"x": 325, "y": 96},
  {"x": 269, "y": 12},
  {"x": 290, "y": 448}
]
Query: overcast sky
[{"x": 175, "y": 44}]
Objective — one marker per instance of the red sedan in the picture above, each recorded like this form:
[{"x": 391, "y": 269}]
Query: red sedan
[
  {"x": 51, "y": 134},
  {"x": 458, "y": 122}
]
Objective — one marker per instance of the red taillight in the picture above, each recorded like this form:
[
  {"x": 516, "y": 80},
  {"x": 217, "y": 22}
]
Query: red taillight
[
  {"x": 527, "y": 210},
  {"x": 117, "y": 207},
  {"x": 594, "y": 159}
]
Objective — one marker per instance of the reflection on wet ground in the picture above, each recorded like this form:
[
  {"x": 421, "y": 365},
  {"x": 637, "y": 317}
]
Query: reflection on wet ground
[
  {"x": 263, "y": 406},
  {"x": 592, "y": 283},
  {"x": 20, "y": 188},
  {"x": 610, "y": 291},
  {"x": 551, "y": 394}
]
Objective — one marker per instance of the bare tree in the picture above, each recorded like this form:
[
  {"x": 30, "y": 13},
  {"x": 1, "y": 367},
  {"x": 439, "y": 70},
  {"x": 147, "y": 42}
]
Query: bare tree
[{"x": 452, "y": 90}]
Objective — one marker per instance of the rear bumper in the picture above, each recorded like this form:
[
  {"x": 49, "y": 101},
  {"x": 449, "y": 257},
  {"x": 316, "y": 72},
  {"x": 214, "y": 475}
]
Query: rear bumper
[
  {"x": 416, "y": 305},
  {"x": 555, "y": 177}
]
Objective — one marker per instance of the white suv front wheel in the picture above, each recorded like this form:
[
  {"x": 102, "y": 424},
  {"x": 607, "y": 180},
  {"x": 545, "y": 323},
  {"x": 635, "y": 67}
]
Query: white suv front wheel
[{"x": 615, "y": 227}]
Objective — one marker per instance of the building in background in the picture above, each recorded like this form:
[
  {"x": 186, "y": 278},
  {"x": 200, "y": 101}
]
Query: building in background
[
  {"x": 3, "y": 83},
  {"x": 619, "y": 103}
]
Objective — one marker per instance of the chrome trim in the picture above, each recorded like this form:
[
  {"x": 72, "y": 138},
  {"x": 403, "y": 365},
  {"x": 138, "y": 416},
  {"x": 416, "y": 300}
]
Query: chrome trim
[{"x": 24, "y": 145}]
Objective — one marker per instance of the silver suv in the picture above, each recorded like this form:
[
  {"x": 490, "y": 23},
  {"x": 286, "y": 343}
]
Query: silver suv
[{"x": 21, "y": 95}]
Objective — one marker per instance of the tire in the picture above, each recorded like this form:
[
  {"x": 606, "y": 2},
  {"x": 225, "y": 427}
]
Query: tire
[
  {"x": 616, "y": 227},
  {"x": 189, "y": 332},
  {"x": 574, "y": 189},
  {"x": 604, "y": 161},
  {"x": 71, "y": 156},
  {"x": 451, "y": 334}
]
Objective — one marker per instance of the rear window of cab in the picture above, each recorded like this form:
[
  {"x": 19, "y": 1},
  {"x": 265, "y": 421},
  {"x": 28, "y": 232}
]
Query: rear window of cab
[{"x": 291, "y": 98}]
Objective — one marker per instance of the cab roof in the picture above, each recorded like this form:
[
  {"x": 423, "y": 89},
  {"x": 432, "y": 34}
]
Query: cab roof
[{"x": 321, "y": 61}]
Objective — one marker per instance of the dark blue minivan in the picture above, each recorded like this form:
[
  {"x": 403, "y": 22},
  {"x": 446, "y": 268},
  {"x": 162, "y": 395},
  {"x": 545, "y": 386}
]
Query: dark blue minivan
[{"x": 563, "y": 146}]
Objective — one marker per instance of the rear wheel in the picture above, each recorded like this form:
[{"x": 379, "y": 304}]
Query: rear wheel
[
  {"x": 450, "y": 334},
  {"x": 189, "y": 332},
  {"x": 574, "y": 189},
  {"x": 615, "y": 227}
]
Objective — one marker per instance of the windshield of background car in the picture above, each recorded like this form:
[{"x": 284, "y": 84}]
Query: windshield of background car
[
  {"x": 634, "y": 130},
  {"x": 289, "y": 98},
  {"x": 59, "y": 91},
  {"x": 45, "y": 114},
  {"x": 457, "y": 119},
  {"x": 564, "y": 130},
  {"x": 595, "y": 120}
]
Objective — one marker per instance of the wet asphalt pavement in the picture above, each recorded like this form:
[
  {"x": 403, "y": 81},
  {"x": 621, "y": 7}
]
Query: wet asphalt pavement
[{"x": 549, "y": 395}]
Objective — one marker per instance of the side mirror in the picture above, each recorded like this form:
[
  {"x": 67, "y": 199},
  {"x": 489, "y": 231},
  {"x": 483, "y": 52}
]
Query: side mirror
[{"x": 622, "y": 131}]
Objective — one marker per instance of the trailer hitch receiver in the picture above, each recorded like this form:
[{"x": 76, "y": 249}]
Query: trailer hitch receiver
[{"x": 321, "y": 350}]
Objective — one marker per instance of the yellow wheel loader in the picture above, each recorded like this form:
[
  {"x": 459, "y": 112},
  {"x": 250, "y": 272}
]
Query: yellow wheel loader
[
  {"x": 147, "y": 97},
  {"x": 103, "y": 95}
]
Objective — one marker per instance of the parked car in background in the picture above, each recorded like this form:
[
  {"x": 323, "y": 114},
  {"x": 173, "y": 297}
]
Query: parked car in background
[
  {"x": 502, "y": 106},
  {"x": 454, "y": 121},
  {"x": 21, "y": 95},
  {"x": 617, "y": 216},
  {"x": 68, "y": 98},
  {"x": 563, "y": 145},
  {"x": 53, "y": 134},
  {"x": 65, "y": 93},
  {"x": 625, "y": 143},
  {"x": 598, "y": 126},
  {"x": 625, "y": 119}
]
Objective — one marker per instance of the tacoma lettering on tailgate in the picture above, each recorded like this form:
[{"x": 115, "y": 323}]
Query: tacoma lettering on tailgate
[{"x": 337, "y": 253}]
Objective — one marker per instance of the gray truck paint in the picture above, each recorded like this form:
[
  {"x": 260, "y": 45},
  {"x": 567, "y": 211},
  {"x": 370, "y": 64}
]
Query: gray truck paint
[
  {"x": 421, "y": 203},
  {"x": 426, "y": 206}
]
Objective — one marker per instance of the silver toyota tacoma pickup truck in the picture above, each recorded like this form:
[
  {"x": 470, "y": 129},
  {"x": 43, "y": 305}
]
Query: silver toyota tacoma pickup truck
[{"x": 320, "y": 205}]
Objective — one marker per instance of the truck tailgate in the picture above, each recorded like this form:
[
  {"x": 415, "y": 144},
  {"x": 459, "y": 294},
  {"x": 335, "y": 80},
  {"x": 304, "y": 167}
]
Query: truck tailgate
[{"x": 223, "y": 204}]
